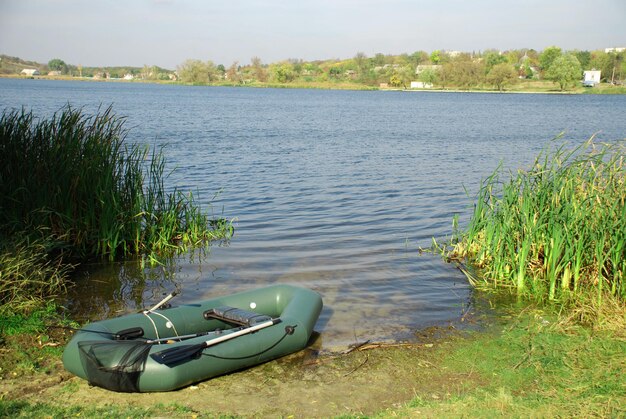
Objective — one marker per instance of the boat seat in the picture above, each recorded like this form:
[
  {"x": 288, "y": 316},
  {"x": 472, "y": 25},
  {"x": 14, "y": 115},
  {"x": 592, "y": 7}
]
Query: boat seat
[{"x": 236, "y": 315}]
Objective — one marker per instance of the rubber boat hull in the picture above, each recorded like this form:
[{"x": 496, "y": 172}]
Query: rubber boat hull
[{"x": 132, "y": 366}]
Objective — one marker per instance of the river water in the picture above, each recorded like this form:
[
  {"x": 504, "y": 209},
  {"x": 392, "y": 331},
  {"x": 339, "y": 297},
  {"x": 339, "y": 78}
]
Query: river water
[{"x": 331, "y": 190}]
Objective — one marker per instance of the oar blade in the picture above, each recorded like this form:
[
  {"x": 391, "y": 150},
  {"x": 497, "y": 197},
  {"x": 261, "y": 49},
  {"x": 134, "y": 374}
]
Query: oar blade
[
  {"x": 182, "y": 353},
  {"x": 173, "y": 356}
]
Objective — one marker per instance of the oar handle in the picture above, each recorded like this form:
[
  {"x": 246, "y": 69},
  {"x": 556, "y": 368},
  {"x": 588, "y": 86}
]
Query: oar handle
[
  {"x": 241, "y": 332},
  {"x": 163, "y": 301},
  {"x": 176, "y": 338}
]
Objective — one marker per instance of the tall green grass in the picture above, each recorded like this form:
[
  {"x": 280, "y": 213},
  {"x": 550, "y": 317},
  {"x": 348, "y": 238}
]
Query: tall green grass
[
  {"x": 74, "y": 177},
  {"x": 72, "y": 182},
  {"x": 556, "y": 230}
]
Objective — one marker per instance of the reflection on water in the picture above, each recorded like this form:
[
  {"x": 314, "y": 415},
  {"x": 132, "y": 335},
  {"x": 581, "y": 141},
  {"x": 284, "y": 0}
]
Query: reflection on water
[{"x": 331, "y": 190}]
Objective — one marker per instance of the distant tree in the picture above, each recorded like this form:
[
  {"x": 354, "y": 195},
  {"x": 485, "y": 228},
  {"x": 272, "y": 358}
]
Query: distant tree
[
  {"x": 611, "y": 65},
  {"x": 619, "y": 67},
  {"x": 147, "y": 72},
  {"x": 435, "y": 57},
  {"x": 258, "y": 71},
  {"x": 297, "y": 64},
  {"x": 311, "y": 69},
  {"x": 428, "y": 76},
  {"x": 513, "y": 56},
  {"x": 401, "y": 60},
  {"x": 379, "y": 60},
  {"x": 501, "y": 75},
  {"x": 395, "y": 80},
  {"x": 533, "y": 55},
  {"x": 335, "y": 71},
  {"x": 547, "y": 57},
  {"x": 584, "y": 58},
  {"x": 232, "y": 74},
  {"x": 362, "y": 63},
  {"x": 492, "y": 58},
  {"x": 283, "y": 72},
  {"x": 405, "y": 73},
  {"x": 56, "y": 64},
  {"x": 466, "y": 72},
  {"x": 213, "y": 72},
  {"x": 370, "y": 77},
  {"x": 526, "y": 71},
  {"x": 564, "y": 71},
  {"x": 193, "y": 71},
  {"x": 445, "y": 74},
  {"x": 419, "y": 57}
]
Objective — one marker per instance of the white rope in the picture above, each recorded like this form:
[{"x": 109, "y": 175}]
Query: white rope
[
  {"x": 167, "y": 321},
  {"x": 156, "y": 331}
]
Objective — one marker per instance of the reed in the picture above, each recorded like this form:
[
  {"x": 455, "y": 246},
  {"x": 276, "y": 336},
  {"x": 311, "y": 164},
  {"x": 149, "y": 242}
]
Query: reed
[
  {"x": 74, "y": 180},
  {"x": 554, "y": 231}
]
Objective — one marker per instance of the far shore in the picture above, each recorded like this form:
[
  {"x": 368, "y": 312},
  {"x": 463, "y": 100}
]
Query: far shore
[{"x": 524, "y": 86}]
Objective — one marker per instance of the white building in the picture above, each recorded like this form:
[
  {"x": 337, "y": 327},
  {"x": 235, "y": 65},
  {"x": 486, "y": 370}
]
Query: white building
[
  {"x": 421, "y": 85},
  {"x": 30, "y": 72},
  {"x": 591, "y": 78}
]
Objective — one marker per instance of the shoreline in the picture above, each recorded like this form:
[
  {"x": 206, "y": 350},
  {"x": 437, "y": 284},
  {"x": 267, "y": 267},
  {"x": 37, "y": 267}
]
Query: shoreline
[
  {"x": 578, "y": 90},
  {"x": 447, "y": 374}
]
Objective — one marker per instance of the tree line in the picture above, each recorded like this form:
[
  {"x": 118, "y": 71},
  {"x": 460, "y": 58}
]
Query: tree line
[
  {"x": 56, "y": 66},
  {"x": 442, "y": 69},
  {"x": 463, "y": 70}
]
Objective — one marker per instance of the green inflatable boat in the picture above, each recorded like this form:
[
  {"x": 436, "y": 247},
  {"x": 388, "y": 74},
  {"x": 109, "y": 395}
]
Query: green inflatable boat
[{"x": 166, "y": 348}]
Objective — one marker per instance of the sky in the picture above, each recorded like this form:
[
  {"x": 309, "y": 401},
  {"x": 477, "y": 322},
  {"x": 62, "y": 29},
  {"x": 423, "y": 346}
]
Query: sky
[{"x": 168, "y": 32}]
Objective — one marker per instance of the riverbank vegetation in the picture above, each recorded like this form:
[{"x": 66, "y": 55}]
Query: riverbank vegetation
[
  {"x": 550, "y": 70},
  {"x": 488, "y": 70},
  {"x": 72, "y": 189},
  {"x": 554, "y": 232}
]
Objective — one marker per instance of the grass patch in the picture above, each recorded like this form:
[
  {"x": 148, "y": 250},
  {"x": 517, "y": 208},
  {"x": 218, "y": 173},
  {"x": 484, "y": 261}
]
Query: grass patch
[
  {"x": 554, "y": 232},
  {"x": 20, "y": 409},
  {"x": 31, "y": 343},
  {"x": 605, "y": 89},
  {"x": 533, "y": 367}
]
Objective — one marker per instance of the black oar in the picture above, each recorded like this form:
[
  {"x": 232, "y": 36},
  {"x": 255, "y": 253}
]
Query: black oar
[
  {"x": 126, "y": 334},
  {"x": 181, "y": 353}
]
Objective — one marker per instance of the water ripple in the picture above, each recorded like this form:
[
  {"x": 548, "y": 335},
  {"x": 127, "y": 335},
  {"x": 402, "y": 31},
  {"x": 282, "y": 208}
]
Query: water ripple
[{"x": 331, "y": 190}]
